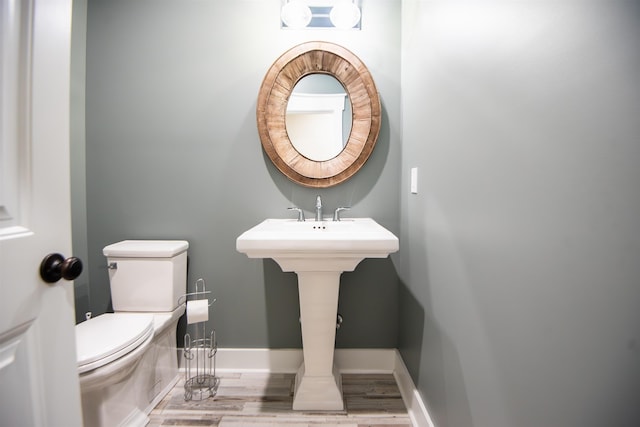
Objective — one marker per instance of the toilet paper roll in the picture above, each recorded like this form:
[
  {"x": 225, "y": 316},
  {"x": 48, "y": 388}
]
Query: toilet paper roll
[{"x": 197, "y": 311}]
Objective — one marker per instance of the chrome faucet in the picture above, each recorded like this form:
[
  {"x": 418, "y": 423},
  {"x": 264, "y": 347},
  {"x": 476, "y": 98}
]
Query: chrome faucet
[
  {"x": 300, "y": 213},
  {"x": 336, "y": 213},
  {"x": 318, "y": 208}
]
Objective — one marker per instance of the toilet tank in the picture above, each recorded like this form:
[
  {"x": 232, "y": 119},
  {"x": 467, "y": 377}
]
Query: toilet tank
[{"x": 147, "y": 275}]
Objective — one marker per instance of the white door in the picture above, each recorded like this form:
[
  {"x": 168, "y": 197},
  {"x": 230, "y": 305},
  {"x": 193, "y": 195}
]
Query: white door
[{"x": 38, "y": 377}]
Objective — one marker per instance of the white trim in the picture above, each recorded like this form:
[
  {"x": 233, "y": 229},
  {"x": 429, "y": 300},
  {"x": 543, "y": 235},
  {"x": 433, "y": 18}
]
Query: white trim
[
  {"x": 363, "y": 361},
  {"x": 316, "y": 103},
  {"x": 350, "y": 361},
  {"x": 411, "y": 397},
  {"x": 258, "y": 360}
]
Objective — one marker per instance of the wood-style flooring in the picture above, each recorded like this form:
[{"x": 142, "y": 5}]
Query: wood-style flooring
[{"x": 255, "y": 400}]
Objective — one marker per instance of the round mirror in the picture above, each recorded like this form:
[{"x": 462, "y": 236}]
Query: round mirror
[
  {"x": 279, "y": 92},
  {"x": 318, "y": 119}
]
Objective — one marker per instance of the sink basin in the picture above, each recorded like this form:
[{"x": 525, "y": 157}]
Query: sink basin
[
  {"x": 351, "y": 238},
  {"x": 318, "y": 251}
]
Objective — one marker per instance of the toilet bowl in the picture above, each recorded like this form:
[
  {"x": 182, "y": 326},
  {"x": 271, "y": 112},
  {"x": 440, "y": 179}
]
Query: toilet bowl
[
  {"x": 114, "y": 342},
  {"x": 128, "y": 360}
]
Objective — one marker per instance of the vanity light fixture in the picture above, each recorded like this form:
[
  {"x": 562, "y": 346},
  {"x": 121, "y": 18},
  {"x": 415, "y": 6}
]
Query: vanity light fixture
[{"x": 315, "y": 14}]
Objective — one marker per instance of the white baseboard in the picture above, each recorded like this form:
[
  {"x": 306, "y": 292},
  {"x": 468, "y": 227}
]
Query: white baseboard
[
  {"x": 258, "y": 360},
  {"x": 349, "y": 361},
  {"x": 410, "y": 395}
]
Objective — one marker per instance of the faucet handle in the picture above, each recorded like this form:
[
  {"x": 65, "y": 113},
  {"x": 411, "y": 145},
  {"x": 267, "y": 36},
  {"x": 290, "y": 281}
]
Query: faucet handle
[
  {"x": 336, "y": 213},
  {"x": 300, "y": 213}
]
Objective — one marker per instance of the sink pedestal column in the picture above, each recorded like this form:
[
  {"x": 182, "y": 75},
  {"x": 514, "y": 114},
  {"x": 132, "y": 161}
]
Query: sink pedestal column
[{"x": 318, "y": 384}]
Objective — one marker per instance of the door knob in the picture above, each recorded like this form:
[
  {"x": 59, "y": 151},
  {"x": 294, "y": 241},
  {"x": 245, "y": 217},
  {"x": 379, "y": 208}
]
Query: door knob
[{"x": 55, "y": 267}]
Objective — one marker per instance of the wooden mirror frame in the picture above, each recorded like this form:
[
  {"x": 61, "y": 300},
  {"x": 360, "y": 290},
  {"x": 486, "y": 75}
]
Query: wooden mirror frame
[{"x": 294, "y": 64}]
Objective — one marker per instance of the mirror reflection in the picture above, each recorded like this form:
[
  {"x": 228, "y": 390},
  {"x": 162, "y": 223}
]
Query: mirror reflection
[{"x": 318, "y": 117}]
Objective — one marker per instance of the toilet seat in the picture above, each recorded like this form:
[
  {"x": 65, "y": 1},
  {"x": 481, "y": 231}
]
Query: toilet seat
[{"x": 107, "y": 337}]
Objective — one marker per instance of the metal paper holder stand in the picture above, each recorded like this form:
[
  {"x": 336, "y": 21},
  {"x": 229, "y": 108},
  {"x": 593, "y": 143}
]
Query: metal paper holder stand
[{"x": 200, "y": 381}]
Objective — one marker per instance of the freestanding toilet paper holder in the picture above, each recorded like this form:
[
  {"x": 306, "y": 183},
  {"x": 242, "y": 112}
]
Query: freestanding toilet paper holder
[{"x": 200, "y": 380}]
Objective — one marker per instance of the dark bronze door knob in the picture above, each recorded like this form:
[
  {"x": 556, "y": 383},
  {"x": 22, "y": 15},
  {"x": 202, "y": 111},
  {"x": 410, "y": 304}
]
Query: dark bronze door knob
[{"x": 55, "y": 267}]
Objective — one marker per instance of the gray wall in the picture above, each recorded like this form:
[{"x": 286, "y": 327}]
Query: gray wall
[
  {"x": 172, "y": 152},
  {"x": 78, "y": 154},
  {"x": 520, "y": 302}
]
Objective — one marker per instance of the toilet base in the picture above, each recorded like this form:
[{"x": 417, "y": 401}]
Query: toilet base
[{"x": 128, "y": 399}]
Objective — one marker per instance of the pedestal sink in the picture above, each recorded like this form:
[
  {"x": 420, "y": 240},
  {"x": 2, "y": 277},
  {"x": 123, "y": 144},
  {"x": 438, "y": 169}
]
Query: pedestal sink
[{"x": 318, "y": 251}]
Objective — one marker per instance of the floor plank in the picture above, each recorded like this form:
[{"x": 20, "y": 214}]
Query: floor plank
[{"x": 265, "y": 400}]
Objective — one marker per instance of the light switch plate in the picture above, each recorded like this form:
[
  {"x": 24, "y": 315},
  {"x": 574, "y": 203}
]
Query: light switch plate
[{"x": 414, "y": 180}]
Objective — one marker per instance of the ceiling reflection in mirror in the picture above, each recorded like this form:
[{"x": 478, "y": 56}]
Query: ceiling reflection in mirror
[{"x": 318, "y": 118}]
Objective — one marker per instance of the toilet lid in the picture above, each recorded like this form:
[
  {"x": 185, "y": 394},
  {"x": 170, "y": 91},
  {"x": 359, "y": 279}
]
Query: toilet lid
[{"x": 109, "y": 336}]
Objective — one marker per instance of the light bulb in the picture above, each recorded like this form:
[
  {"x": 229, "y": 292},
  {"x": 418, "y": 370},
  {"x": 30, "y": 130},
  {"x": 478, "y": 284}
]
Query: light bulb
[
  {"x": 344, "y": 14},
  {"x": 296, "y": 14}
]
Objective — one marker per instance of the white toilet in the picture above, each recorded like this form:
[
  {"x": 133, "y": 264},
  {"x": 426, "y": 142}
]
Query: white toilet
[{"x": 128, "y": 360}]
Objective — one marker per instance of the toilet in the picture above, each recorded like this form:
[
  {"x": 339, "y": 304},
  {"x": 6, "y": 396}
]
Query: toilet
[{"x": 128, "y": 360}]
